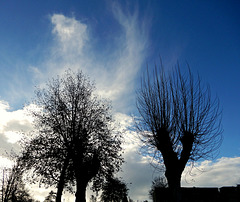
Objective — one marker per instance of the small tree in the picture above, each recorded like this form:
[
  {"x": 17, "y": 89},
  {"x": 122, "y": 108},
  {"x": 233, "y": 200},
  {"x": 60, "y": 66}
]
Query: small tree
[
  {"x": 179, "y": 120},
  {"x": 12, "y": 186},
  {"x": 157, "y": 183},
  {"x": 114, "y": 190},
  {"x": 75, "y": 142}
]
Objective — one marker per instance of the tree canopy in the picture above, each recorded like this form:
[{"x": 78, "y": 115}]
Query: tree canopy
[
  {"x": 75, "y": 140},
  {"x": 114, "y": 190}
]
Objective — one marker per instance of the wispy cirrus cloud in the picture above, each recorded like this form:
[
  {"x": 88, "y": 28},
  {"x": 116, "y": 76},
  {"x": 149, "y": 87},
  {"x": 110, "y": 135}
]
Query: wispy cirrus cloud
[
  {"x": 115, "y": 75},
  {"x": 115, "y": 72}
]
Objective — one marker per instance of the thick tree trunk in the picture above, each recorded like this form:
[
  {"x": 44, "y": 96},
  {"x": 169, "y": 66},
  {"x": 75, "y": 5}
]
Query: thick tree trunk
[
  {"x": 81, "y": 191},
  {"x": 175, "y": 165},
  {"x": 61, "y": 182},
  {"x": 174, "y": 184},
  {"x": 84, "y": 173}
]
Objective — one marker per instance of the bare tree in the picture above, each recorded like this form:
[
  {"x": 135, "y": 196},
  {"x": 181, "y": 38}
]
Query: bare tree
[
  {"x": 180, "y": 121},
  {"x": 75, "y": 142}
]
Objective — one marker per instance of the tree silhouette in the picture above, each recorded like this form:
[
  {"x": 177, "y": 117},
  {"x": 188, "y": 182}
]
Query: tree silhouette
[
  {"x": 12, "y": 186},
  {"x": 180, "y": 122},
  {"x": 156, "y": 183},
  {"x": 45, "y": 156},
  {"x": 114, "y": 190},
  {"x": 75, "y": 140}
]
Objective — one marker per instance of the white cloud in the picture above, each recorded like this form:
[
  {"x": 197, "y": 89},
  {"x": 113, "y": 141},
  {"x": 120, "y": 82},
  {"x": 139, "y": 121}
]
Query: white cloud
[
  {"x": 12, "y": 136},
  {"x": 114, "y": 71},
  {"x": 71, "y": 35},
  {"x": 5, "y": 163},
  {"x": 137, "y": 170},
  {"x": 115, "y": 74},
  {"x": 12, "y": 124},
  {"x": 222, "y": 172},
  {"x": 68, "y": 51},
  {"x": 129, "y": 57}
]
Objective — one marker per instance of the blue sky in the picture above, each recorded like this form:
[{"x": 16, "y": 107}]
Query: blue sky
[{"x": 112, "y": 42}]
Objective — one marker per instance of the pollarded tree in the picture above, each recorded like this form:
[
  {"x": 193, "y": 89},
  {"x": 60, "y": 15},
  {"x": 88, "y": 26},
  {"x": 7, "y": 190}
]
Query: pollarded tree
[
  {"x": 76, "y": 142},
  {"x": 179, "y": 121}
]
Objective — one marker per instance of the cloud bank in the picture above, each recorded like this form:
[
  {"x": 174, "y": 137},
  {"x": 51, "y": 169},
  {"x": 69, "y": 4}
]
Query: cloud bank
[
  {"x": 222, "y": 172},
  {"x": 12, "y": 125}
]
